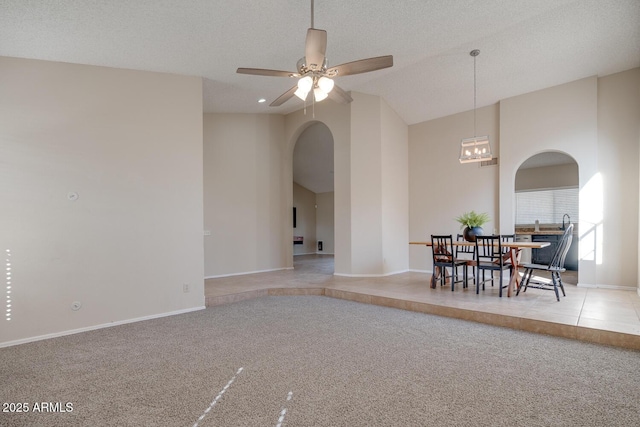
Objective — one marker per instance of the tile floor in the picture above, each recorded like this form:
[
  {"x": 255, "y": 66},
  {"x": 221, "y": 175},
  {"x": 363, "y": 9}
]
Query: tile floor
[{"x": 597, "y": 315}]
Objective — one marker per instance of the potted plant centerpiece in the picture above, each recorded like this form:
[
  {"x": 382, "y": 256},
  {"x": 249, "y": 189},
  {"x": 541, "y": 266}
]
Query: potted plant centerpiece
[{"x": 471, "y": 223}]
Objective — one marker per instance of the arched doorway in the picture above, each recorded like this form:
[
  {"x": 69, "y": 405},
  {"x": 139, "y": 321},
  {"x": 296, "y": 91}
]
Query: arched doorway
[
  {"x": 546, "y": 200},
  {"x": 313, "y": 196}
]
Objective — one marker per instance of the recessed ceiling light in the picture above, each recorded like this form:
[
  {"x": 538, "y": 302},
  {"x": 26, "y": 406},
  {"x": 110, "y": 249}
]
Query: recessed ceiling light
[{"x": 261, "y": 100}]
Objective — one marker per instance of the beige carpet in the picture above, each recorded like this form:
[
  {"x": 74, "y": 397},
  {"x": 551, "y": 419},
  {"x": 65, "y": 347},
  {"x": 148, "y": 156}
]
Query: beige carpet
[{"x": 317, "y": 361}]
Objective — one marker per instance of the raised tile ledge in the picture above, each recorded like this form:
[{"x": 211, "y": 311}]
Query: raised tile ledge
[
  {"x": 279, "y": 292},
  {"x": 597, "y": 336},
  {"x": 615, "y": 339},
  {"x": 230, "y": 298}
]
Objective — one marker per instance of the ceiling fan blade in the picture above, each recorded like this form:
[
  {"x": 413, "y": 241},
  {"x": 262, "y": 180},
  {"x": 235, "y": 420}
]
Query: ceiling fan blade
[
  {"x": 263, "y": 72},
  {"x": 284, "y": 97},
  {"x": 339, "y": 95},
  {"x": 361, "y": 66},
  {"x": 315, "y": 48}
]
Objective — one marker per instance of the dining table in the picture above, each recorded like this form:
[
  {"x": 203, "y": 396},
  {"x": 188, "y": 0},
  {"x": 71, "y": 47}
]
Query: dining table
[{"x": 513, "y": 257}]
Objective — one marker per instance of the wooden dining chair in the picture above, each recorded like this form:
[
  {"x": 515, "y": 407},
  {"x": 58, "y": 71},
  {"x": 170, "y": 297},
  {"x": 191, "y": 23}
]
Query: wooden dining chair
[
  {"x": 506, "y": 251},
  {"x": 468, "y": 253},
  {"x": 555, "y": 267},
  {"x": 507, "y": 238},
  {"x": 489, "y": 257},
  {"x": 444, "y": 257}
]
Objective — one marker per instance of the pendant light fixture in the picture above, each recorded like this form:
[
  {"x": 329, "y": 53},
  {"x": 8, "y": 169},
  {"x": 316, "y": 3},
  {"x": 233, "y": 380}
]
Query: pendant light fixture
[{"x": 475, "y": 149}]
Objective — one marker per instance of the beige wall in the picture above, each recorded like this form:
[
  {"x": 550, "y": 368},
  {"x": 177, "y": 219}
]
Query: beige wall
[
  {"x": 618, "y": 150},
  {"x": 394, "y": 135},
  {"x": 543, "y": 178},
  {"x": 325, "y": 221},
  {"x": 248, "y": 188},
  {"x": 561, "y": 118},
  {"x": 337, "y": 118},
  {"x": 596, "y": 122},
  {"x": 366, "y": 186},
  {"x": 315, "y": 221},
  {"x": 440, "y": 188},
  {"x": 304, "y": 201},
  {"x": 129, "y": 144},
  {"x": 379, "y": 194},
  {"x": 357, "y": 130},
  {"x": 244, "y": 194}
]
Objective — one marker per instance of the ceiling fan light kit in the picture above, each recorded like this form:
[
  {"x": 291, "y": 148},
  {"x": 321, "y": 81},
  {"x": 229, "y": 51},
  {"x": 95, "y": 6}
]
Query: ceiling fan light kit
[
  {"x": 319, "y": 95},
  {"x": 314, "y": 74},
  {"x": 304, "y": 86},
  {"x": 321, "y": 87},
  {"x": 478, "y": 148}
]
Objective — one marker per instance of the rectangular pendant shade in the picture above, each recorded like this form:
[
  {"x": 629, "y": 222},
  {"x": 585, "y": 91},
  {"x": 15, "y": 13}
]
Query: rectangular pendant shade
[{"x": 476, "y": 149}]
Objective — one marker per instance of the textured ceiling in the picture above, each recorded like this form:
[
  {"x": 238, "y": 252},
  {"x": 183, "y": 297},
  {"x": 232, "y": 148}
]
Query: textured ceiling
[{"x": 525, "y": 45}]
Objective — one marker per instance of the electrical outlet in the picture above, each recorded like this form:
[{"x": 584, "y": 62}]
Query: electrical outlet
[{"x": 185, "y": 288}]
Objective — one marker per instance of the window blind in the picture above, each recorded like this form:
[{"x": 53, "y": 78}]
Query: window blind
[{"x": 547, "y": 206}]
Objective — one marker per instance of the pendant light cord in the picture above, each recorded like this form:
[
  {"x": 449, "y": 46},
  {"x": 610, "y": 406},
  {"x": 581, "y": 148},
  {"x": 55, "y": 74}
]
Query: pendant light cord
[
  {"x": 312, "y": 14},
  {"x": 474, "y": 96},
  {"x": 474, "y": 53}
]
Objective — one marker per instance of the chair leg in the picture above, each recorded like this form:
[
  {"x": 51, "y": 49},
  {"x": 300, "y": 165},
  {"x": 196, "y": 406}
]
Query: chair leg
[
  {"x": 454, "y": 276},
  {"x": 499, "y": 284},
  {"x": 561, "y": 285},
  {"x": 521, "y": 283},
  {"x": 465, "y": 273},
  {"x": 525, "y": 280},
  {"x": 555, "y": 285}
]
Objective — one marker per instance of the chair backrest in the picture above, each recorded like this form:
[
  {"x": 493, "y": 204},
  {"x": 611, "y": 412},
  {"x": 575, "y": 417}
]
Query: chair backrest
[
  {"x": 507, "y": 238},
  {"x": 442, "y": 248},
  {"x": 461, "y": 249},
  {"x": 489, "y": 249},
  {"x": 563, "y": 248}
]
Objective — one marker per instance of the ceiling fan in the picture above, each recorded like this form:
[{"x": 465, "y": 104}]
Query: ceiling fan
[{"x": 314, "y": 75}]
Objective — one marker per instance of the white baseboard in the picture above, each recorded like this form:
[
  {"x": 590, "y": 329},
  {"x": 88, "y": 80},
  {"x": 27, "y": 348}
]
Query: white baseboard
[
  {"x": 413, "y": 270},
  {"x": 393, "y": 273},
  {"x": 101, "y": 326},
  {"x": 248, "y": 272},
  {"x": 315, "y": 253},
  {"x": 610, "y": 287},
  {"x": 371, "y": 275}
]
